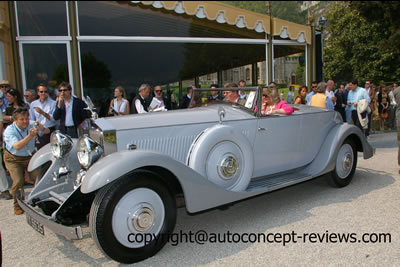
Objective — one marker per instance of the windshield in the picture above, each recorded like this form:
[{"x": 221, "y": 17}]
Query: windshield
[{"x": 242, "y": 97}]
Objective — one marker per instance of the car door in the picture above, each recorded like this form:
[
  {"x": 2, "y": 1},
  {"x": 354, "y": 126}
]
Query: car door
[
  {"x": 313, "y": 130},
  {"x": 276, "y": 146}
]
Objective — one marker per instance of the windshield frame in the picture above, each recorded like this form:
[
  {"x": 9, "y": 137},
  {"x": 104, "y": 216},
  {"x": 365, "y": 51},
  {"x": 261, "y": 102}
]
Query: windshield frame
[{"x": 256, "y": 89}]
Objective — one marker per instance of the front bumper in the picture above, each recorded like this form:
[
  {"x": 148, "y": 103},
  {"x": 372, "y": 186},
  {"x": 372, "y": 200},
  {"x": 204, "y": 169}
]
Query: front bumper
[{"x": 69, "y": 232}]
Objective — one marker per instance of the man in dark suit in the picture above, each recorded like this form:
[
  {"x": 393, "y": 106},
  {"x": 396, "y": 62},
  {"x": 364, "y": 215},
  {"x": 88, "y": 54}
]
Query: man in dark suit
[
  {"x": 186, "y": 99},
  {"x": 215, "y": 94},
  {"x": 69, "y": 110}
]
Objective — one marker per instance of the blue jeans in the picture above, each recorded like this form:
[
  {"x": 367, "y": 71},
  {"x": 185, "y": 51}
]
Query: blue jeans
[{"x": 348, "y": 114}]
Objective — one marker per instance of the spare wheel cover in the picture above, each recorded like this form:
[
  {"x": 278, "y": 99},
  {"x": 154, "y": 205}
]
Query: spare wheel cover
[{"x": 224, "y": 156}]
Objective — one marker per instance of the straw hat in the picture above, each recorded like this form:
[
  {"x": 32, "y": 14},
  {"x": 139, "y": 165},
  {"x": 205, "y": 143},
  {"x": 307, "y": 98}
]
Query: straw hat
[{"x": 4, "y": 82}]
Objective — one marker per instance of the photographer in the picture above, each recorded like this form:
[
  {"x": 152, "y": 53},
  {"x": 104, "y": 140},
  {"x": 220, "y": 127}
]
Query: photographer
[{"x": 19, "y": 139}]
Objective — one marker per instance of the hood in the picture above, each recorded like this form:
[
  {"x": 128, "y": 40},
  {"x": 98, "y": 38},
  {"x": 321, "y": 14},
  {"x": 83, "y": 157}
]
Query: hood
[{"x": 174, "y": 117}]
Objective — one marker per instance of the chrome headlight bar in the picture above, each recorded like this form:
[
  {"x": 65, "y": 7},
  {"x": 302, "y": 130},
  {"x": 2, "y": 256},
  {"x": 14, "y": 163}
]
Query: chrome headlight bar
[
  {"x": 60, "y": 144},
  {"x": 89, "y": 151}
]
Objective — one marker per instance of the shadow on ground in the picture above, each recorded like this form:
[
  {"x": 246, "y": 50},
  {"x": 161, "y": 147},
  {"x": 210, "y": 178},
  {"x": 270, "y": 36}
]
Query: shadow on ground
[
  {"x": 257, "y": 215},
  {"x": 261, "y": 214}
]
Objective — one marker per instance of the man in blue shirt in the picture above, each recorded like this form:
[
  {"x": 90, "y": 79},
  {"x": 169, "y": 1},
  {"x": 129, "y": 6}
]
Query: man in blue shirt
[
  {"x": 42, "y": 110},
  {"x": 4, "y": 86},
  {"x": 347, "y": 108},
  {"x": 314, "y": 86},
  {"x": 19, "y": 139},
  {"x": 356, "y": 94}
]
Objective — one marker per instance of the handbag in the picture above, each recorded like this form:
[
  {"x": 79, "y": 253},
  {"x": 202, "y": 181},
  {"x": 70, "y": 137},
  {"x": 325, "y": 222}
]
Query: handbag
[{"x": 385, "y": 114}]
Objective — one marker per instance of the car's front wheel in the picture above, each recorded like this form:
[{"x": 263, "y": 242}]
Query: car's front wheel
[
  {"x": 131, "y": 218},
  {"x": 345, "y": 167}
]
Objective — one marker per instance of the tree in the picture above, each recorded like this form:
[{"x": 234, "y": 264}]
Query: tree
[
  {"x": 287, "y": 10},
  {"x": 353, "y": 47},
  {"x": 386, "y": 14}
]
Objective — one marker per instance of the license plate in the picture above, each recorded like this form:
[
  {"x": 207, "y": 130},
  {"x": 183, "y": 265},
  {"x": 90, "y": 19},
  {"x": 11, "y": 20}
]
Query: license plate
[{"x": 35, "y": 224}]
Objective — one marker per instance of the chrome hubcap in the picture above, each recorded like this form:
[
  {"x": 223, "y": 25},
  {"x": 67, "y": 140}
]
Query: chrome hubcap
[
  {"x": 142, "y": 219},
  {"x": 138, "y": 217},
  {"x": 348, "y": 162},
  {"x": 344, "y": 161},
  {"x": 229, "y": 167}
]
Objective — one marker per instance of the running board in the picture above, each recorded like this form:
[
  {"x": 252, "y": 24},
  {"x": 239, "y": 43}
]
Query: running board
[{"x": 274, "y": 182}]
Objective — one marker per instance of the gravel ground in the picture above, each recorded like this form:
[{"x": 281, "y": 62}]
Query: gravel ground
[{"x": 370, "y": 204}]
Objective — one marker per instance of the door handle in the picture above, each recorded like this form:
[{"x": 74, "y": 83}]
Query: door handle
[{"x": 261, "y": 129}]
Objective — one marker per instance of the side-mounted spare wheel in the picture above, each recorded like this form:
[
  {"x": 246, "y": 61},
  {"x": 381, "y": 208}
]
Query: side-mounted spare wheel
[
  {"x": 346, "y": 163},
  {"x": 224, "y": 156},
  {"x": 130, "y": 219}
]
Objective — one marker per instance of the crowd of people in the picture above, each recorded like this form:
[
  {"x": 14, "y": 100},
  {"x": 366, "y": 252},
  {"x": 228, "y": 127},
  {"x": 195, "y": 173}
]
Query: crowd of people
[
  {"x": 26, "y": 126},
  {"x": 379, "y": 105}
]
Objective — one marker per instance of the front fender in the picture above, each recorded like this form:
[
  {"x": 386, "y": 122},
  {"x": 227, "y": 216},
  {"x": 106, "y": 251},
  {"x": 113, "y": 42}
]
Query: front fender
[
  {"x": 42, "y": 156},
  {"x": 326, "y": 157},
  {"x": 194, "y": 185},
  {"x": 48, "y": 182}
]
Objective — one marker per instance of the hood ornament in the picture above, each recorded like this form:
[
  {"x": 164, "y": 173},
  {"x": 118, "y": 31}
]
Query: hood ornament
[
  {"x": 91, "y": 108},
  {"x": 221, "y": 114}
]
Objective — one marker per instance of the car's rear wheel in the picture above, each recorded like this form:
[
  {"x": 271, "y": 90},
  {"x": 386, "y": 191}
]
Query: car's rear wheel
[
  {"x": 131, "y": 218},
  {"x": 346, "y": 163}
]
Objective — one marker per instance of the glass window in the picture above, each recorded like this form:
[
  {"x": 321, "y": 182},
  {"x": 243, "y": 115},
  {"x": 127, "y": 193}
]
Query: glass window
[
  {"x": 124, "y": 19},
  {"x": 42, "y": 18},
  {"x": 45, "y": 63},
  {"x": 106, "y": 65}
]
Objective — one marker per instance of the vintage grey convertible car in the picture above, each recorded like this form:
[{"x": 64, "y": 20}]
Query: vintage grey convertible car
[{"x": 124, "y": 174}]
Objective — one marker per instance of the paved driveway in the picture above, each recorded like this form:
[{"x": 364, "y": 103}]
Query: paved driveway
[{"x": 370, "y": 204}]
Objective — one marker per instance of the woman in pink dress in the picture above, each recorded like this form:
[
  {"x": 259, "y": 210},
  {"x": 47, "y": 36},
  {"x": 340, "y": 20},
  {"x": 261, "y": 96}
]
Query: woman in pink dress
[{"x": 272, "y": 104}]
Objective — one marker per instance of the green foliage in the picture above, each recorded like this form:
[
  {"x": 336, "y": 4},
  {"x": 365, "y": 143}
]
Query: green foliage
[
  {"x": 255, "y": 6},
  {"x": 356, "y": 47},
  {"x": 287, "y": 10},
  {"x": 386, "y": 14}
]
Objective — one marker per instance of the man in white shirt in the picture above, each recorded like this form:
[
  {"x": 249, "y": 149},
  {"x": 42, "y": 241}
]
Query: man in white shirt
[
  {"x": 242, "y": 93},
  {"x": 164, "y": 102},
  {"x": 391, "y": 123},
  {"x": 367, "y": 85},
  {"x": 139, "y": 104},
  {"x": 330, "y": 85},
  {"x": 42, "y": 110},
  {"x": 30, "y": 96}
]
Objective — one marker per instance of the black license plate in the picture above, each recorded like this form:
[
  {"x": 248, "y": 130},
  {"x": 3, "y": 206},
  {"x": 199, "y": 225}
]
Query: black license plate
[{"x": 35, "y": 224}]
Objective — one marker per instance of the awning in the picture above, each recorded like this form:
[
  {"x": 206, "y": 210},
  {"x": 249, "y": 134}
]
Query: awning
[{"x": 241, "y": 18}]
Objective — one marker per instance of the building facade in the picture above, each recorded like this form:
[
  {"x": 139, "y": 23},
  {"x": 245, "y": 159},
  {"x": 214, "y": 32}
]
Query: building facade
[{"x": 97, "y": 46}]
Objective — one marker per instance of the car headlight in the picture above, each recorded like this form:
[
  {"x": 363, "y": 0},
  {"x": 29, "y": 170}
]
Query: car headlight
[
  {"x": 60, "y": 144},
  {"x": 89, "y": 151}
]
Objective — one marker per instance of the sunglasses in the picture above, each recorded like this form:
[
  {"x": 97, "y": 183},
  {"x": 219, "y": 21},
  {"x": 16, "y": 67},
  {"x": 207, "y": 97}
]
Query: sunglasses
[
  {"x": 158, "y": 91},
  {"x": 43, "y": 92},
  {"x": 63, "y": 90}
]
